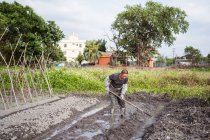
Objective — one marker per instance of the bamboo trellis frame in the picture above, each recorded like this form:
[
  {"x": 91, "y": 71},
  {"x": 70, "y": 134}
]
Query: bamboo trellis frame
[{"x": 21, "y": 81}]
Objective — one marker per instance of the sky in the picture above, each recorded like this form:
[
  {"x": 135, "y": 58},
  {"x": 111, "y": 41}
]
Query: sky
[{"x": 92, "y": 19}]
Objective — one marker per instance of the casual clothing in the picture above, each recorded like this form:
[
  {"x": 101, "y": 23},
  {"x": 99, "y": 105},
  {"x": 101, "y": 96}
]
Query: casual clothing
[
  {"x": 114, "y": 99},
  {"x": 116, "y": 82},
  {"x": 119, "y": 86}
]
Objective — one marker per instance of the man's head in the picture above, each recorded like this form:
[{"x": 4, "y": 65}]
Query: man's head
[{"x": 123, "y": 74}]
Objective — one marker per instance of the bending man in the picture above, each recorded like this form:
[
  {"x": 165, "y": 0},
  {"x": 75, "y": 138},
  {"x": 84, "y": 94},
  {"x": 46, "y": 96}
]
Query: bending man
[{"x": 117, "y": 83}]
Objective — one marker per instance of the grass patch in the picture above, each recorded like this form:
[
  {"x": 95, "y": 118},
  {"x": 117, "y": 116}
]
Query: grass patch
[{"x": 178, "y": 83}]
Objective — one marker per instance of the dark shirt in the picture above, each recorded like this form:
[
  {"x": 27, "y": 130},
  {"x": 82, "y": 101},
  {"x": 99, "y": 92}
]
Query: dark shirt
[{"x": 116, "y": 82}]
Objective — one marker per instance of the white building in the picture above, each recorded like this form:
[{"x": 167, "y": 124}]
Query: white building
[{"x": 71, "y": 47}]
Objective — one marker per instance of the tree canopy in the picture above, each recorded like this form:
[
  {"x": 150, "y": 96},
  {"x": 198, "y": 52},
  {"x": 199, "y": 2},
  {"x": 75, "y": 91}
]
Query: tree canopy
[
  {"x": 37, "y": 36},
  {"x": 208, "y": 58},
  {"x": 91, "y": 52},
  {"x": 193, "y": 54},
  {"x": 141, "y": 30},
  {"x": 102, "y": 45}
]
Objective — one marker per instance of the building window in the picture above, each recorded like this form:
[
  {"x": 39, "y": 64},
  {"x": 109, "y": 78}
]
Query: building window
[
  {"x": 76, "y": 44},
  {"x": 64, "y": 52},
  {"x": 80, "y": 45},
  {"x": 65, "y": 45},
  {"x": 72, "y": 50}
]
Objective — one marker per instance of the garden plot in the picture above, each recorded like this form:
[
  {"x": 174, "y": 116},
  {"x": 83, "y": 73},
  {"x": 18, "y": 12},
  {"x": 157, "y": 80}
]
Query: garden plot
[
  {"x": 31, "y": 122},
  {"x": 83, "y": 118}
]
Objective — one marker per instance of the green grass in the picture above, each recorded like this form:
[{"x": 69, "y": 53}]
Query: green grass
[{"x": 178, "y": 83}]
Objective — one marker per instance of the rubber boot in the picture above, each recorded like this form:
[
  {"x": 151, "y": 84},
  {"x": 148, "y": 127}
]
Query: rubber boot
[{"x": 122, "y": 112}]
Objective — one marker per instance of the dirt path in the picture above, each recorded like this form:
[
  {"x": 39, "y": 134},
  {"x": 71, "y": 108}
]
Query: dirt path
[{"x": 184, "y": 119}]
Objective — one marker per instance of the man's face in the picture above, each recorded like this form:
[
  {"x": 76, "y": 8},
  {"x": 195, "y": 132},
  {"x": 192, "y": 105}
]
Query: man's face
[{"x": 123, "y": 76}]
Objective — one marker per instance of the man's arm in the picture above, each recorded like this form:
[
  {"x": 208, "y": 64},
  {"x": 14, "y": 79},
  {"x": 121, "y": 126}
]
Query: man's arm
[{"x": 124, "y": 89}]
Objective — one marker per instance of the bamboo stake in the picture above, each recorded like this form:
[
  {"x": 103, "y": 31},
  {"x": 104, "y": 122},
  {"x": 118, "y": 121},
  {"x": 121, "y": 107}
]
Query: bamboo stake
[
  {"x": 32, "y": 80},
  {"x": 25, "y": 76},
  {"x": 18, "y": 74},
  {"x": 45, "y": 78},
  {"x": 3, "y": 33},
  {"x": 12, "y": 56},
  {"x": 3, "y": 100},
  {"x": 46, "y": 71},
  {"x": 39, "y": 78},
  {"x": 11, "y": 80},
  {"x": 2, "y": 81}
]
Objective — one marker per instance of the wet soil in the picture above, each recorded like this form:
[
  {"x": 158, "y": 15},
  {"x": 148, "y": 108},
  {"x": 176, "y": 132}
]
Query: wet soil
[
  {"x": 102, "y": 125},
  {"x": 170, "y": 119},
  {"x": 187, "y": 119}
]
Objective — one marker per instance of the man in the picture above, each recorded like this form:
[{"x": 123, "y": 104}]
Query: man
[{"x": 117, "y": 83}]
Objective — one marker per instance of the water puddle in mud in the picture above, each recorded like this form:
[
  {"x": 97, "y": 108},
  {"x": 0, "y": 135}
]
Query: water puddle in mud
[
  {"x": 101, "y": 123},
  {"x": 140, "y": 132},
  {"x": 104, "y": 124},
  {"x": 90, "y": 135},
  {"x": 94, "y": 110}
]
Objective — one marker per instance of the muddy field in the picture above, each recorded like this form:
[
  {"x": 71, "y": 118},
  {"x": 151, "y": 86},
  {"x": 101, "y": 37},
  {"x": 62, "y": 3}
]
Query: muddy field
[{"x": 170, "y": 119}]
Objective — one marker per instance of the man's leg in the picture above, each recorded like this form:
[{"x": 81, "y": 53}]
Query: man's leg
[
  {"x": 112, "y": 103},
  {"x": 122, "y": 106}
]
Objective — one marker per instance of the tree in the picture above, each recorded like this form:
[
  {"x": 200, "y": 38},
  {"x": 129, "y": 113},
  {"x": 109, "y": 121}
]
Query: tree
[
  {"x": 208, "y": 58},
  {"x": 193, "y": 54},
  {"x": 169, "y": 61},
  {"x": 141, "y": 30},
  {"x": 91, "y": 51},
  {"x": 161, "y": 61},
  {"x": 102, "y": 45},
  {"x": 80, "y": 58},
  {"x": 34, "y": 34}
]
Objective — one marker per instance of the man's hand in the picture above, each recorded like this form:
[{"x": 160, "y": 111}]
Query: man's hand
[{"x": 122, "y": 96}]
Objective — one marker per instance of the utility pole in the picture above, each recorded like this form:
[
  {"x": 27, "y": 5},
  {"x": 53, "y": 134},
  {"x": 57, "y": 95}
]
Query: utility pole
[{"x": 173, "y": 54}]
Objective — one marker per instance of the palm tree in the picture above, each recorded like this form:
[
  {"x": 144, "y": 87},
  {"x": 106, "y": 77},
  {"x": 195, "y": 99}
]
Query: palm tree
[{"x": 91, "y": 51}]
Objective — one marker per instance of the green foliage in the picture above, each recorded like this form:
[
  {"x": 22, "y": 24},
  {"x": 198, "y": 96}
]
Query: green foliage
[
  {"x": 91, "y": 52},
  {"x": 35, "y": 34},
  {"x": 178, "y": 83},
  {"x": 80, "y": 58},
  {"x": 102, "y": 45},
  {"x": 169, "y": 61},
  {"x": 72, "y": 81},
  {"x": 193, "y": 54},
  {"x": 208, "y": 58},
  {"x": 141, "y": 30}
]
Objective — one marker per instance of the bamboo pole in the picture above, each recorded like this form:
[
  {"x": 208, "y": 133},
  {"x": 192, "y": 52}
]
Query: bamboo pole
[
  {"x": 11, "y": 80},
  {"x": 18, "y": 74},
  {"x": 4, "y": 90},
  {"x": 32, "y": 79},
  {"x": 2, "y": 98},
  {"x": 47, "y": 76},
  {"x": 42, "y": 71},
  {"x": 3, "y": 33}
]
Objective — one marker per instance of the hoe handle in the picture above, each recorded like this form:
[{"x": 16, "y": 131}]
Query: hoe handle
[{"x": 130, "y": 103}]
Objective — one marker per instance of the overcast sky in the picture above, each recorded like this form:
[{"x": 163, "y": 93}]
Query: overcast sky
[{"x": 92, "y": 19}]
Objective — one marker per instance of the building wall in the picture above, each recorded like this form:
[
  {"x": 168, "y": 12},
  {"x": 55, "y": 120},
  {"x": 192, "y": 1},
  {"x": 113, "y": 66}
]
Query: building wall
[
  {"x": 104, "y": 60},
  {"x": 71, "y": 47}
]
